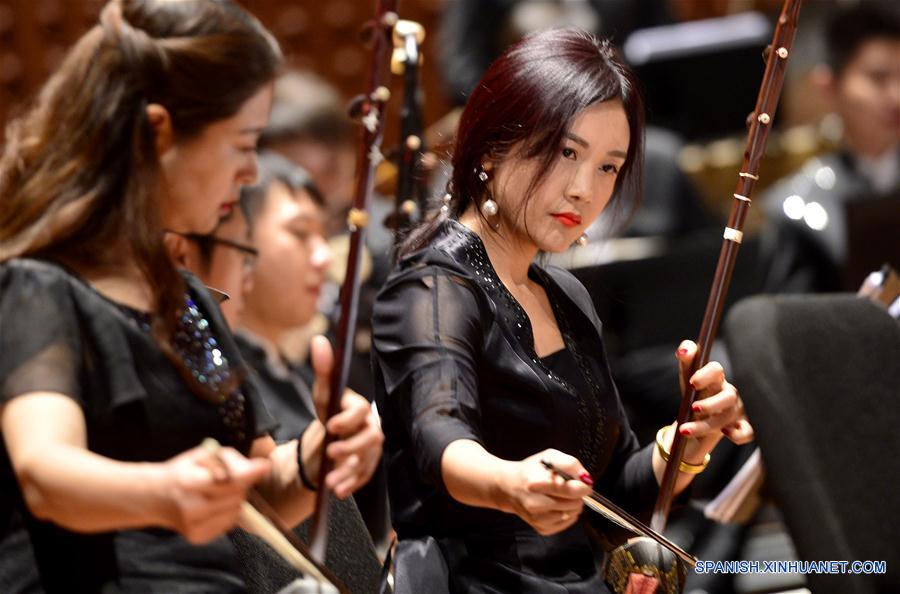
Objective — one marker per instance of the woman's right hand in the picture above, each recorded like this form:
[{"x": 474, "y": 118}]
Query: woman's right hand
[
  {"x": 203, "y": 493},
  {"x": 543, "y": 499}
]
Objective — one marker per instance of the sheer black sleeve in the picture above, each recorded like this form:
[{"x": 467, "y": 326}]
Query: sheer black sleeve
[
  {"x": 40, "y": 335},
  {"x": 427, "y": 338}
]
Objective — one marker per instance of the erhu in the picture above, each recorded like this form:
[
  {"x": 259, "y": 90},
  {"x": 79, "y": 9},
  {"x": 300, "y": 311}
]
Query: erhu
[
  {"x": 645, "y": 564},
  {"x": 406, "y": 60},
  {"x": 369, "y": 109},
  {"x": 257, "y": 517}
]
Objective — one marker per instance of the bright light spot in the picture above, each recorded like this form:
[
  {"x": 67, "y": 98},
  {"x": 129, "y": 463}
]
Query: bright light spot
[
  {"x": 815, "y": 216},
  {"x": 811, "y": 167},
  {"x": 793, "y": 207},
  {"x": 825, "y": 178}
]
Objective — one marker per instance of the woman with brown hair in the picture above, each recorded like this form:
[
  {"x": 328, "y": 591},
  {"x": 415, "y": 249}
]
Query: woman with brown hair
[
  {"x": 488, "y": 364},
  {"x": 113, "y": 365}
]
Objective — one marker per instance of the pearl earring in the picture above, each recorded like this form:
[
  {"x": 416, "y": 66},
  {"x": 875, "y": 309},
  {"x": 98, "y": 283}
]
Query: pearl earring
[
  {"x": 489, "y": 208},
  {"x": 446, "y": 200}
]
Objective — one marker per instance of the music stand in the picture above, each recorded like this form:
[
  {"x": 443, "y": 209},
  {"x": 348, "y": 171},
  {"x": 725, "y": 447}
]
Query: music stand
[{"x": 873, "y": 237}]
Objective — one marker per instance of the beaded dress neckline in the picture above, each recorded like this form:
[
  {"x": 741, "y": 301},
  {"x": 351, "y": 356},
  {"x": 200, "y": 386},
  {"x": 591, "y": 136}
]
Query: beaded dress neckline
[{"x": 199, "y": 350}]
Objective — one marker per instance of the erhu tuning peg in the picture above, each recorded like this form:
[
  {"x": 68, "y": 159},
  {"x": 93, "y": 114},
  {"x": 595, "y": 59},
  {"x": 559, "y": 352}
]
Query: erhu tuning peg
[
  {"x": 398, "y": 61},
  {"x": 403, "y": 28},
  {"x": 402, "y": 31}
]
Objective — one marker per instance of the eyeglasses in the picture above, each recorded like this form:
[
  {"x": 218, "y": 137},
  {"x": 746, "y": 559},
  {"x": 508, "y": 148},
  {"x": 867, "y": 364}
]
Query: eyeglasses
[{"x": 250, "y": 253}]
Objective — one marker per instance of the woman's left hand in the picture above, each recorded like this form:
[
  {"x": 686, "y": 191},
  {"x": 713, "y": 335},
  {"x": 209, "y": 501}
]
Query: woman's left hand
[
  {"x": 718, "y": 408},
  {"x": 357, "y": 450}
]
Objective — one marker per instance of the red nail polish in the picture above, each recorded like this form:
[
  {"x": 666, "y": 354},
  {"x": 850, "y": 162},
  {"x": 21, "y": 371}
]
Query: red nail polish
[
  {"x": 696, "y": 408},
  {"x": 684, "y": 431},
  {"x": 682, "y": 351},
  {"x": 586, "y": 479}
]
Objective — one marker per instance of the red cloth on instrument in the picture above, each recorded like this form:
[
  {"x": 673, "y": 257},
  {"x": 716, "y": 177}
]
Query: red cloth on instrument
[{"x": 639, "y": 583}]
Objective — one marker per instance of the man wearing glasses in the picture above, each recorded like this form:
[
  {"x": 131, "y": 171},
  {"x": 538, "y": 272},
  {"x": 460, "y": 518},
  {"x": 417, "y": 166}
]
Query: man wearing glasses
[
  {"x": 223, "y": 259},
  {"x": 269, "y": 255}
]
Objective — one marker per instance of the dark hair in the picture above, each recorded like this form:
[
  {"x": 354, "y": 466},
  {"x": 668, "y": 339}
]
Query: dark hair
[
  {"x": 275, "y": 168},
  {"x": 850, "y": 28},
  {"x": 530, "y": 95},
  {"x": 80, "y": 178},
  {"x": 307, "y": 108}
]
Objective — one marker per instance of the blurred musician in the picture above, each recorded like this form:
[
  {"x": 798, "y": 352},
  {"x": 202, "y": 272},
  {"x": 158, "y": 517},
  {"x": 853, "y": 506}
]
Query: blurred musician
[
  {"x": 805, "y": 245},
  {"x": 113, "y": 366}
]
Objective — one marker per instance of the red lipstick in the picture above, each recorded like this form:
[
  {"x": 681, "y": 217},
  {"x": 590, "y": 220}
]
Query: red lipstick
[{"x": 569, "y": 219}]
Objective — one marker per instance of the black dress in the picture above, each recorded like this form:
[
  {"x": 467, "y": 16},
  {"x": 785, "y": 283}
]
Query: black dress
[
  {"x": 57, "y": 334},
  {"x": 453, "y": 357}
]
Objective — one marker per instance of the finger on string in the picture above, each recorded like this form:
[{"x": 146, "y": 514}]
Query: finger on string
[
  {"x": 359, "y": 443},
  {"x": 710, "y": 376},
  {"x": 716, "y": 404},
  {"x": 717, "y": 422},
  {"x": 350, "y": 420},
  {"x": 349, "y": 466},
  {"x": 702, "y": 427},
  {"x": 740, "y": 432}
]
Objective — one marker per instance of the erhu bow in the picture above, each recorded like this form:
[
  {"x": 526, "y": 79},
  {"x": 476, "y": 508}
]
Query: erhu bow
[
  {"x": 369, "y": 108},
  {"x": 257, "y": 517},
  {"x": 642, "y": 564},
  {"x": 406, "y": 60}
]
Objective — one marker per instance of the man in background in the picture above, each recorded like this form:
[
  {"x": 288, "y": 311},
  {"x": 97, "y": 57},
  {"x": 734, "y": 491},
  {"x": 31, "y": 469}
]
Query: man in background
[{"x": 804, "y": 247}]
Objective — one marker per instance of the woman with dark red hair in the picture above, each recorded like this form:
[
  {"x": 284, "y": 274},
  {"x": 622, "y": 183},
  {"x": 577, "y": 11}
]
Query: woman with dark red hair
[{"x": 487, "y": 363}]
